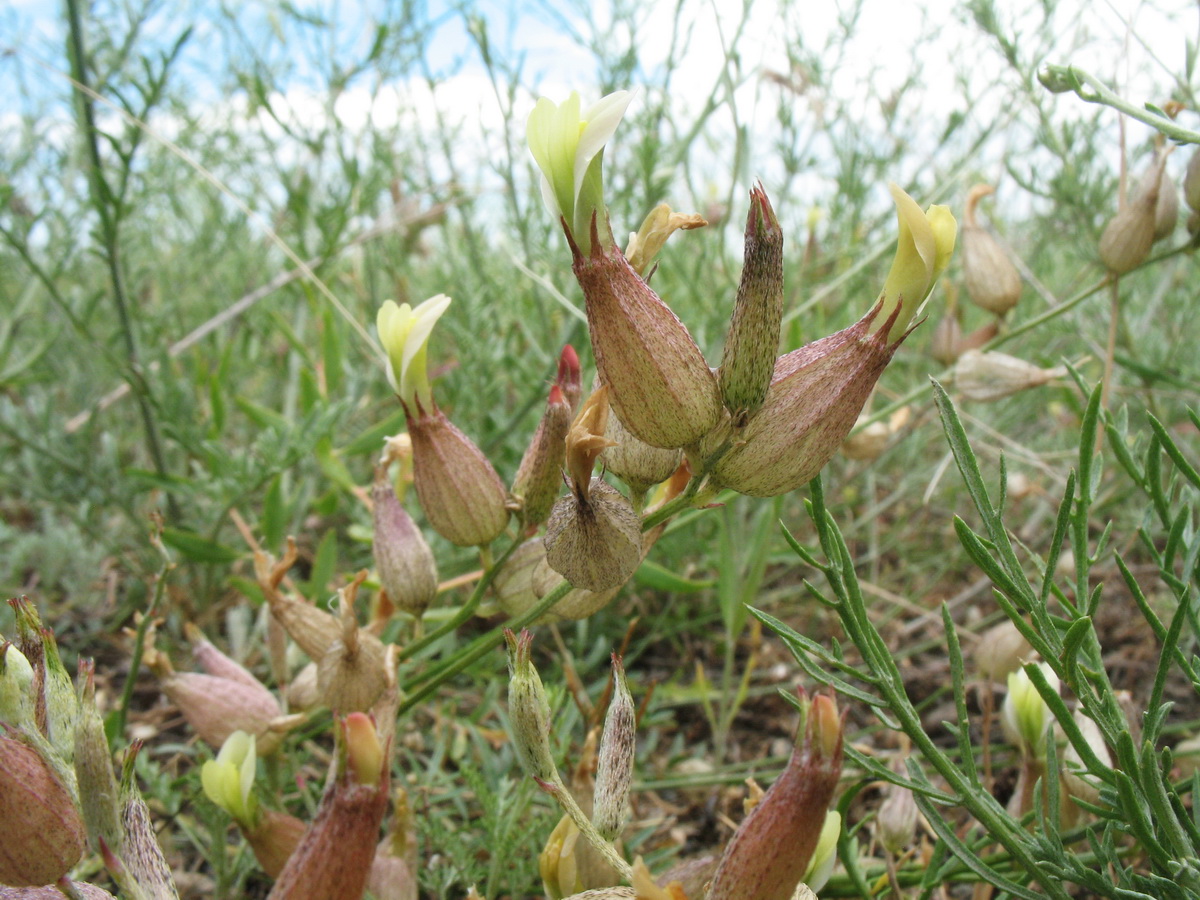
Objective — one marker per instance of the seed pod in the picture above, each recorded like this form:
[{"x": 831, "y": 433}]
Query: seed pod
[
  {"x": 460, "y": 492},
  {"x": 990, "y": 375},
  {"x": 302, "y": 692},
  {"x": 577, "y": 603},
  {"x": 214, "y": 661},
  {"x": 816, "y": 395},
  {"x": 633, "y": 460},
  {"x": 897, "y": 821},
  {"x": 1191, "y": 182},
  {"x": 614, "y": 770},
  {"x": 992, "y": 280},
  {"x": 407, "y": 569},
  {"x": 513, "y": 583},
  {"x": 52, "y": 892},
  {"x": 43, "y": 831},
  {"x": 753, "y": 340},
  {"x": 594, "y": 541},
  {"x": 662, "y": 388},
  {"x": 1127, "y": 238},
  {"x": 945, "y": 340},
  {"x": 313, "y": 629}
]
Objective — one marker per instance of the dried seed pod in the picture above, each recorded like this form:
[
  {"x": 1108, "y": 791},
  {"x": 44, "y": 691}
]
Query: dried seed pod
[
  {"x": 351, "y": 674},
  {"x": 513, "y": 583},
  {"x": 594, "y": 540},
  {"x": 313, "y": 629},
  {"x": 43, "y": 830},
  {"x": 945, "y": 340},
  {"x": 1129, "y": 235},
  {"x": 302, "y": 691},
  {"x": 406, "y": 567},
  {"x": 577, "y": 603},
  {"x": 992, "y": 280},
  {"x": 989, "y": 375}
]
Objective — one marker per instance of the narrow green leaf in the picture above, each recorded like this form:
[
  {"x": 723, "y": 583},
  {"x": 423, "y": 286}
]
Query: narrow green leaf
[
  {"x": 198, "y": 548},
  {"x": 657, "y": 577}
]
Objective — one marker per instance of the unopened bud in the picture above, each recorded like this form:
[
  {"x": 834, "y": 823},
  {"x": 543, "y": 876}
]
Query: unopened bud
[
  {"x": 1129, "y": 235},
  {"x": 99, "y": 794},
  {"x": 662, "y": 388},
  {"x": 992, "y": 280},
  {"x": 594, "y": 540},
  {"x": 43, "y": 831},
  {"x": 528, "y": 711},
  {"x": 461, "y": 494},
  {"x": 990, "y": 375},
  {"x": 1059, "y": 79},
  {"x": 539, "y": 477},
  {"x": 406, "y": 567},
  {"x": 364, "y": 754},
  {"x": 614, "y": 770},
  {"x": 16, "y": 688},
  {"x": 753, "y": 340},
  {"x": 1025, "y": 714}
]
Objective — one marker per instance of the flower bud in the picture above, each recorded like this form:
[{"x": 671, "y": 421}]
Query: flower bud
[
  {"x": 406, "y": 567},
  {"x": 614, "y": 770},
  {"x": 570, "y": 376},
  {"x": 815, "y": 397},
  {"x": 351, "y": 674},
  {"x": 99, "y": 794},
  {"x": 993, "y": 282},
  {"x": 594, "y": 540},
  {"x": 539, "y": 477},
  {"x": 1191, "y": 182},
  {"x": 404, "y": 332},
  {"x": 661, "y": 386},
  {"x": 460, "y": 492},
  {"x": 1025, "y": 714},
  {"x": 990, "y": 375},
  {"x": 528, "y": 711},
  {"x": 753, "y": 339},
  {"x": 43, "y": 832},
  {"x": 1126, "y": 240},
  {"x": 771, "y": 851},
  {"x": 333, "y": 859},
  {"x": 16, "y": 688}
]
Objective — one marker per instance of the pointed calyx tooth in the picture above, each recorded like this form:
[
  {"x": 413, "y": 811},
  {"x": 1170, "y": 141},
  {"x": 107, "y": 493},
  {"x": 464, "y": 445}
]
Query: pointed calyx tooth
[
  {"x": 662, "y": 387},
  {"x": 753, "y": 340},
  {"x": 460, "y": 492},
  {"x": 406, "y": 567},
  {"x": 992, "y": 280},
  {"x": 594, "y": 539}
]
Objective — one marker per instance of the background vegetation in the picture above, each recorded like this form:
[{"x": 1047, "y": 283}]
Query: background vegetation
[{"x": 269, "y": 173}]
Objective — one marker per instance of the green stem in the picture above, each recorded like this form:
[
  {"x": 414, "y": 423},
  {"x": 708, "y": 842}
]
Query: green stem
[
  {"x": 433, "y": 679},
  {"x": 1079, "y": 81}
]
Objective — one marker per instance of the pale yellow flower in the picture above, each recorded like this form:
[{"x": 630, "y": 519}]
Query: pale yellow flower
[
  {"x": 404, "y": 332},
  {"x": 568, "y": 146},
  {"x": 228, "y": 780},
  {"x": 923, "y": 251}
]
